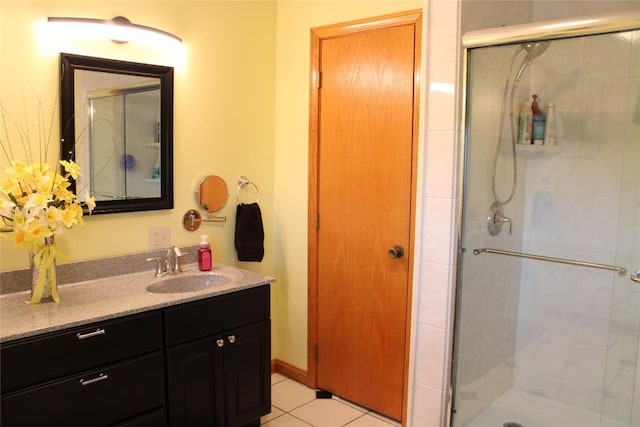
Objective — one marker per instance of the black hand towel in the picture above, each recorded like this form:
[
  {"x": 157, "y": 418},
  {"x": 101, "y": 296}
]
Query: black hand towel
[{"x": 249, "y": 237}]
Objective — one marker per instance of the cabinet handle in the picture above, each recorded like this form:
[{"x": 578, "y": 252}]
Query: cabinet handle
[
  {"x": 220, "y": 342},
  {"x": 231, "y": 338},
  {"x": 90, "y": 334},
  {"x": 100, "y": 377}
]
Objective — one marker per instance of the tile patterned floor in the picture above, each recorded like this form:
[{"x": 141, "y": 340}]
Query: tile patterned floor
[{"x": 295, "y": 405}]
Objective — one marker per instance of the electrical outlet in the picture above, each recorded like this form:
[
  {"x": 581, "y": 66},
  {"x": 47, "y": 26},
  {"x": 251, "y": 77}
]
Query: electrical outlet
[{"x": 159, "y": 237}]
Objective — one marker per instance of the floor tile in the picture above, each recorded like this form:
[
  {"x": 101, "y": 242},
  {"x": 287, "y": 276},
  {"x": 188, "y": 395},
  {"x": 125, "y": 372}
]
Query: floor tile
[
  {"x": 288, "y": 395},
  {"x": 286, "y": 420},
  {"x": 326, "y": 413},
  {"x": 275, "y": 413},
  {"x": 368, "y": 420},
  {"x": 276, "y": 378}
]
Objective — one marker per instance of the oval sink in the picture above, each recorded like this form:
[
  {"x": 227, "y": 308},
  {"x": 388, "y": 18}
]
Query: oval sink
[{"x": 188, "y": 283}]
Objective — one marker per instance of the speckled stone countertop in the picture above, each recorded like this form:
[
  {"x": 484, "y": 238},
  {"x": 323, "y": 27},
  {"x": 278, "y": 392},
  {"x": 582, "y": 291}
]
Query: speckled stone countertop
[{"x": 107, "y": 298}]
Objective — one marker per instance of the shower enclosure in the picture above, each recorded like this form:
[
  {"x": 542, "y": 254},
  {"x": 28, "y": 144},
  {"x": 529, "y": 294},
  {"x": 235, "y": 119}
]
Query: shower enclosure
[{"x": 548, "y": 297}]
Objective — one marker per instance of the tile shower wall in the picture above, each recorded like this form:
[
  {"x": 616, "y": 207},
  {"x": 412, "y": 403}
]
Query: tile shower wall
[{"x": 571, "y": 211}]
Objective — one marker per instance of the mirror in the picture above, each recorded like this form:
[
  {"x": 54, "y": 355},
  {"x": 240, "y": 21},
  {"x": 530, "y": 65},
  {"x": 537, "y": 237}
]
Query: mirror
[
  {"x": 117, "y": 125},
  {"x": 211, "y": 193}
]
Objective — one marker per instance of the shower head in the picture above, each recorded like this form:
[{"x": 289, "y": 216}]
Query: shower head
[{"x": 533, "y": 50}]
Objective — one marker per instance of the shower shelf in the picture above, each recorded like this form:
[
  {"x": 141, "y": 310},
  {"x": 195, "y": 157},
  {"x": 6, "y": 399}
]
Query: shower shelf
[{"x": 538, "y": 150}]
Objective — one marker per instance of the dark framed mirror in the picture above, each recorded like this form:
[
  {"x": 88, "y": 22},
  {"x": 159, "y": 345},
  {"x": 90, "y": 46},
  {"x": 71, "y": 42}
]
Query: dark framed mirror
[{"x": 117, "y": 125}]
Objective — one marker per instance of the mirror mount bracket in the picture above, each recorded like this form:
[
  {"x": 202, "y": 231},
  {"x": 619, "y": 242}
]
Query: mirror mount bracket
[{"x": 192, "y": 219}]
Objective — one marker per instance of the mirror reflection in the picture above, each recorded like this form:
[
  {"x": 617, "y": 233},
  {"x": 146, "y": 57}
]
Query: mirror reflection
[
  {"x": 123, "y": 136},
  {"x": 211, "y": 194},
  {"x": 117, "y": 121}
]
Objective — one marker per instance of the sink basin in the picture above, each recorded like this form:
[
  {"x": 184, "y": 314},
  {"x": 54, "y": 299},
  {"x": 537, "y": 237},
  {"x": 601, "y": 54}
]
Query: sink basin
[{"x": 188, "y": 283}]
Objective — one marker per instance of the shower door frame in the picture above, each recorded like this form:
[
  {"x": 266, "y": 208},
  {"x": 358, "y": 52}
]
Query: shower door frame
[{"x": 514, "y": 34}]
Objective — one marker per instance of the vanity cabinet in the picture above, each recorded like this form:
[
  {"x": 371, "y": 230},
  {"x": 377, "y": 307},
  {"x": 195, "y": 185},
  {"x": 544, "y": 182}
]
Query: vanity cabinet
[
  {"x": 200, "y": 363},
  {"x": 218, "y": 360},
  {"x": 106, "y": 373}
]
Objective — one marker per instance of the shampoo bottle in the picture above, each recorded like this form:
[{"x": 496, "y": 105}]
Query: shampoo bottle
[
  {"x": 204, "y": 254},
  {"x": 550, "y": 129},
  {"x": 524, "y": 128},
  {"x": 537, "y": 130}
]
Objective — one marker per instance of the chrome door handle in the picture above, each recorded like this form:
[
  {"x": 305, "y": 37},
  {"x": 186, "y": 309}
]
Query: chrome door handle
[
  {"x": 99, "y": 378},
  {"x": 636, "y": 276},
  {"x": 396, "y": 252},
  {"x": 95, "y": 333}
]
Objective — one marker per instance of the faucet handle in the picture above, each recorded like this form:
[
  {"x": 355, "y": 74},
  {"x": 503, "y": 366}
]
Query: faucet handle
[
  {"x": 177, "y": 260},
  {"x": 160, "y": 271},
  {"x": 501, "y": 219}
]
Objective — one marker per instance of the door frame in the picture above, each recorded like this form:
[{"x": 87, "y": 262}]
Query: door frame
[{"x": 412, "y": 17}]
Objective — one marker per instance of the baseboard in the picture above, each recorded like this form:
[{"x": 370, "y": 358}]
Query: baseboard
[{"x": 289, "y": 371}]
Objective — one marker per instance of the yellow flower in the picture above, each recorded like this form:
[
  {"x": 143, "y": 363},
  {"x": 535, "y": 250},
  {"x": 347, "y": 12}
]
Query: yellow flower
[
  {"x": 19, "y": 220},
  {"x": 19, "y": 237},
  {"x": 37, "y": 201},
  {"x": 69, "y": 217},
  {"x": 36, "y": 232},
  {"x": 52, "y": 215},
  {"x": 71, "y": 168}
]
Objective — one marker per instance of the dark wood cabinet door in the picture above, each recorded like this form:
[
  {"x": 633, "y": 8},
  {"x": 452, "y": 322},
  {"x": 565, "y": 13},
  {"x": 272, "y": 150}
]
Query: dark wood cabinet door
[
  {"x": 194, "y": 382},
  {"x": 247, "y": 362},
  {"x": 221, "y": 381}
]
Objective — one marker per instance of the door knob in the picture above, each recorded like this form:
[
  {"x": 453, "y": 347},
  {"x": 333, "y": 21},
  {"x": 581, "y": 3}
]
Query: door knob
[
  {"x": 220, "y": 342},
  {"x": 396, "y": 252}
]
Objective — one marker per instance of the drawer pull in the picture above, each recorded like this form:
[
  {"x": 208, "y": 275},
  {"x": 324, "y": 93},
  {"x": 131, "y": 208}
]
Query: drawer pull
[
  {"x": 231, "y": 338},
  {"x": 220, "y": 343},
  {"x": 90, "y": 334},
  {"x": 100, "y": 377}
]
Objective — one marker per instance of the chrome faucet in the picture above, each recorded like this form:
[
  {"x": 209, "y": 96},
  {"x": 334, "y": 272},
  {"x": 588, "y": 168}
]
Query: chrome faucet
[
  {"x": 174, "y": 263},
  {"x": 170, "y": 264}
]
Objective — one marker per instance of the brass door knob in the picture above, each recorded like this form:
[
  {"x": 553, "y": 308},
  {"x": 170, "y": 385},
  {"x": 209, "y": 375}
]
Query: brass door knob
[{"x": 396, "y": 252}]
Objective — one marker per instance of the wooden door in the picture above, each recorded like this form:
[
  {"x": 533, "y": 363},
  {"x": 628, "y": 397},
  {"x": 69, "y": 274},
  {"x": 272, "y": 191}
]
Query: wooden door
[{"x": 361, "y": 206}]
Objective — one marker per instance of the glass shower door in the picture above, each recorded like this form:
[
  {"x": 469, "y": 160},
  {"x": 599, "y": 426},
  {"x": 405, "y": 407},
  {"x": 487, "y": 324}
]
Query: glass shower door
[{"x": 539, "y": 341}]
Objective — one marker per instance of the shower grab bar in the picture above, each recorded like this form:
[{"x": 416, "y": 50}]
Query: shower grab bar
[{"x": 620, "y": 270}]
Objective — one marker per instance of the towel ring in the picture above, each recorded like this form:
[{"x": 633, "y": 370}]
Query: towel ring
[{"x": 243, "y": 181}]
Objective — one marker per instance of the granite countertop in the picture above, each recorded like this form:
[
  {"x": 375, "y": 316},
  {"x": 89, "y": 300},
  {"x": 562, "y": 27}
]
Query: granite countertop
[{"x": 107, "y": 298}]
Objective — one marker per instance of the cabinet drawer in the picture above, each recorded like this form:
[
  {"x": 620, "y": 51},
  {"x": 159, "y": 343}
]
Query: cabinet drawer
[
  {"x": 210, "y": 316},
  {"x": 34, "y": 360},
  {"x": 95, "y": 398}
]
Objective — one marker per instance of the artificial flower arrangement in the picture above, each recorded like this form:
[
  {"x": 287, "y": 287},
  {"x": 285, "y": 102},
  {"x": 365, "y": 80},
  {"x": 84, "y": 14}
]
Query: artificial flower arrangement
[{"x": 35, "y": 204}]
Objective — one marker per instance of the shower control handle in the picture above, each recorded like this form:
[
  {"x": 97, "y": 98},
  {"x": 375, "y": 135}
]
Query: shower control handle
[
  {"x": 636, "y": 276},
  {"x": 396, "y": 252}
]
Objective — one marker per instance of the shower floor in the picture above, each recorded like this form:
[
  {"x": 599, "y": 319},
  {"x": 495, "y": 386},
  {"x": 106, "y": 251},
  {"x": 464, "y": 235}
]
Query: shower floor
[{"x": 528, "y": 410}]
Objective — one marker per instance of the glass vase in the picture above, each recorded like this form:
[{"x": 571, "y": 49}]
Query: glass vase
[{"x": 42, "y": 263}]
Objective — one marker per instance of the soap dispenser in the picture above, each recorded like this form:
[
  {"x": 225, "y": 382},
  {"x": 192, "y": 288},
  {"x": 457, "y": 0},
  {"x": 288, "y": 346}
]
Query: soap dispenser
[{"x": 204, "y": 254}]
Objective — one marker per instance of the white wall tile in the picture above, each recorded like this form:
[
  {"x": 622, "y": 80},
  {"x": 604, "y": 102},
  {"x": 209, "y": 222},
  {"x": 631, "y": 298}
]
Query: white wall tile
[
  {"x": 435, "y": 292},
  {"x": 427, "y": 410},
  {"x": 439, "y": 156},
  {"x": 437, "y": 230},
  {"x": 430, "y": 356},
  {"x": 441, "y": 103}
]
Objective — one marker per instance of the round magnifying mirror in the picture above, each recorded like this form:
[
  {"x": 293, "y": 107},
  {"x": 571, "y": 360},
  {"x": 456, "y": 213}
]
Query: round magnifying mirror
[{"x": 211, "y": 193}]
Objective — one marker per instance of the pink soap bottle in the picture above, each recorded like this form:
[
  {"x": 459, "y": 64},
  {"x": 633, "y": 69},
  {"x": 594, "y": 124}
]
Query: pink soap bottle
[{"x": 204, "y": 254}]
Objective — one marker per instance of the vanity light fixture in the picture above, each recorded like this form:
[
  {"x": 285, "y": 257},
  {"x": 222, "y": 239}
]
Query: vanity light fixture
[{"x": 118, "y": 29}]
